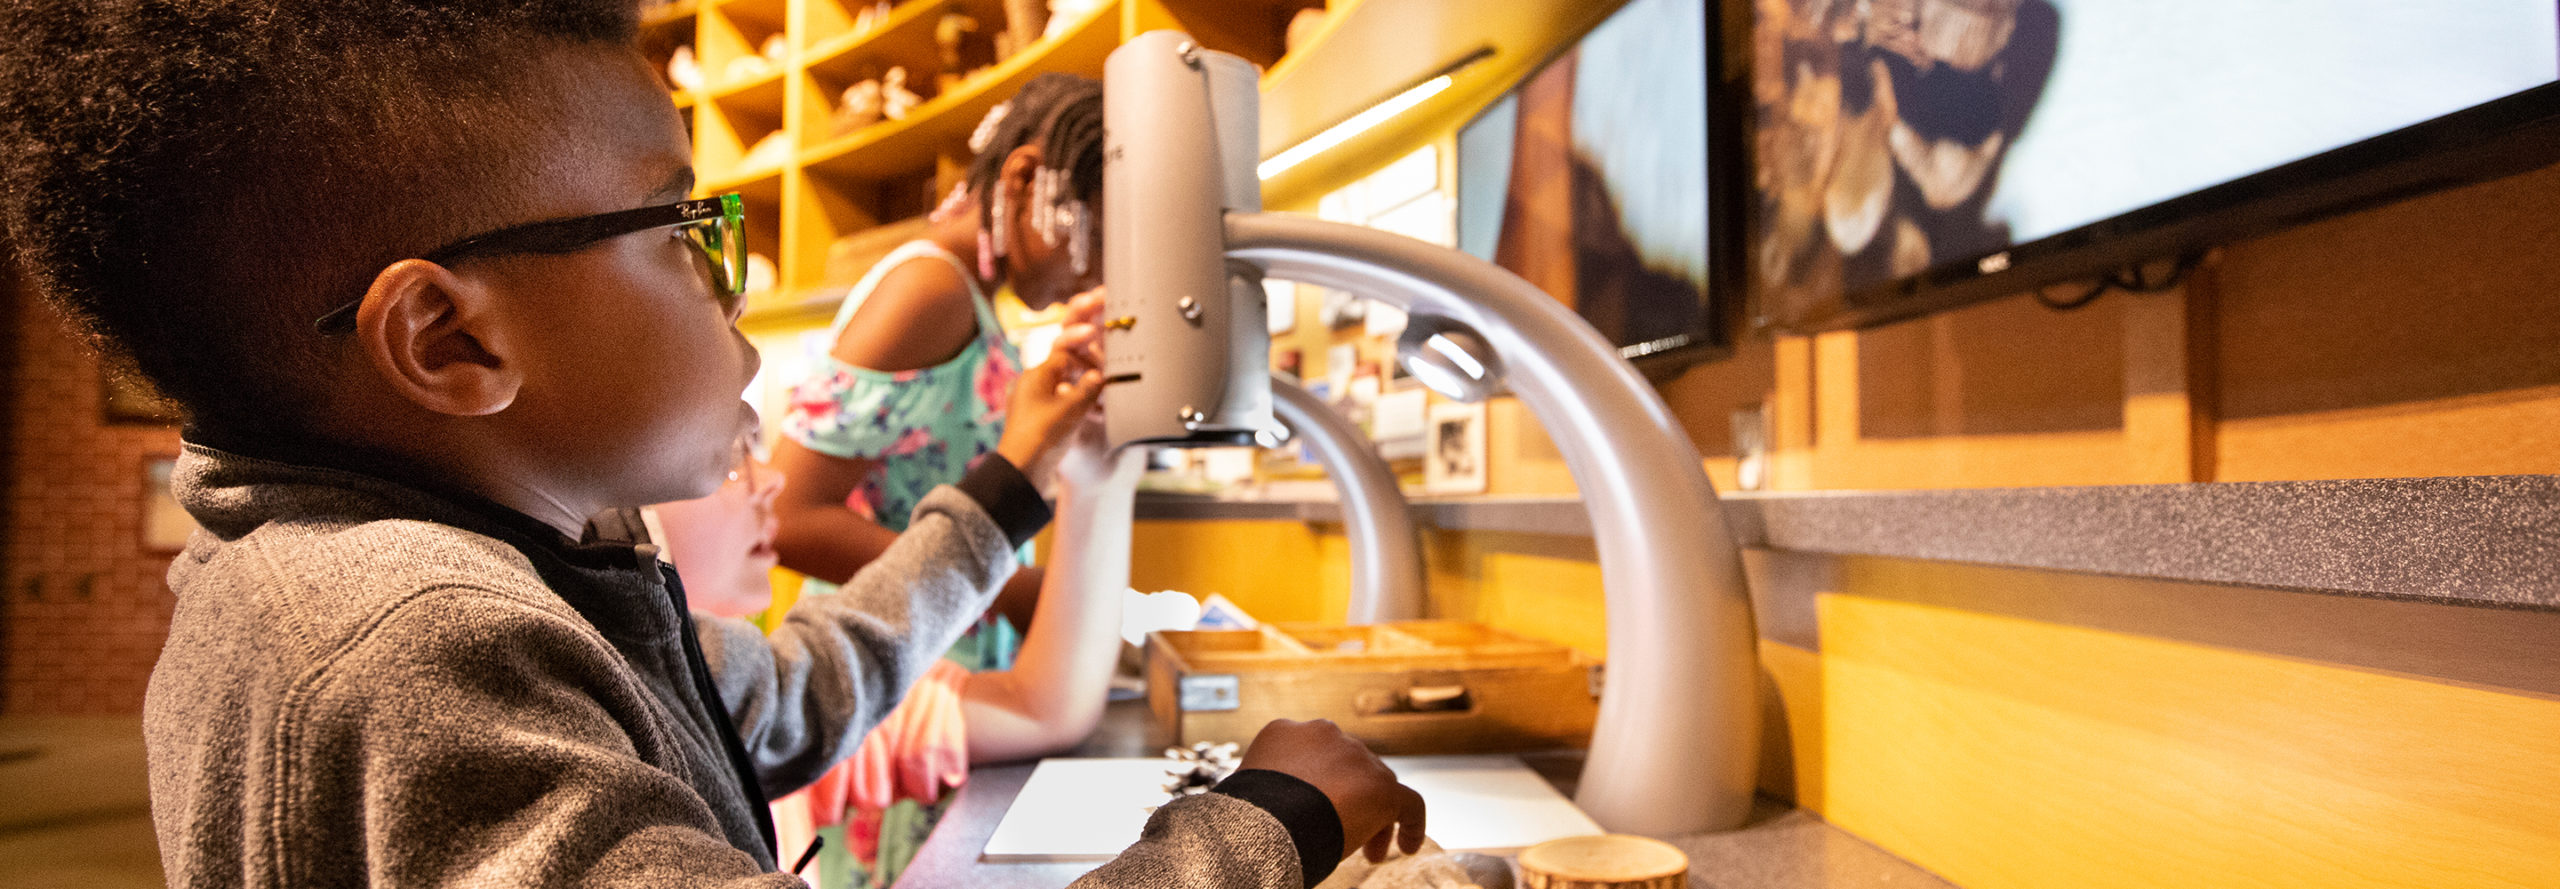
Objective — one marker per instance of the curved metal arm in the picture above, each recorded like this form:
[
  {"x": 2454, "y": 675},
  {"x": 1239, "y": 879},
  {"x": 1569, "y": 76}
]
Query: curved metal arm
[
  {"x": 1386, "y": 559},
  {"x": 1676, "y": 747}
]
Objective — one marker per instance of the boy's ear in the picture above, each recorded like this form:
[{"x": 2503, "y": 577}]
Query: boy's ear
[{"x": 432, "y": 337}]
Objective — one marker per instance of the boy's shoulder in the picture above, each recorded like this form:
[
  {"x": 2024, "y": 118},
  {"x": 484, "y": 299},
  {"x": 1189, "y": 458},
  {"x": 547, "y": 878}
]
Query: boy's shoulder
[{"x": 315, "y": 587}]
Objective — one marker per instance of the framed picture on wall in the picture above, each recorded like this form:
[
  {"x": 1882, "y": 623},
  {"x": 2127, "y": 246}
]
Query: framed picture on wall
[
  {"x": 165, "y": 524},
  {"x": 1453, "y": 452},
  {"x": 1612, "y": 178}
]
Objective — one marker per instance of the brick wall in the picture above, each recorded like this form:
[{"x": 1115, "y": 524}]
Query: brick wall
[{"x": 86, "y": 607}]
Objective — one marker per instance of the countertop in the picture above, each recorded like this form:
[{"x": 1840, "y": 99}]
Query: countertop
[
  {"x": 2469, "y": 540},
  {"x": 1781, "y": 848}
]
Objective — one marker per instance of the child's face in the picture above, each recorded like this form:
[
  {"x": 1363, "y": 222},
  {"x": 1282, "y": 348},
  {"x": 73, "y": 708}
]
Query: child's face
[
  {"x": 633, "y": 366},
  {"x": 1047, "y": 275},
  {"x": 723, "y": 544}
]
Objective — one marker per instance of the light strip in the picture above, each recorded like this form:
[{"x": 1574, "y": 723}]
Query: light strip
[{"x": 1359, "y": 123}]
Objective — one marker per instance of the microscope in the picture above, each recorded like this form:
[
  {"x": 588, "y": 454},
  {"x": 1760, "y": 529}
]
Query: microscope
[{"x": 1185, "y": 250}]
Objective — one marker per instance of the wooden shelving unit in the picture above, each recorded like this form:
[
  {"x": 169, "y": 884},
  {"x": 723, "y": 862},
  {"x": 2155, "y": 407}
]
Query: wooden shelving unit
[
  {"x": 816, "y": 196},
  {"x": 832, "y": 193}
]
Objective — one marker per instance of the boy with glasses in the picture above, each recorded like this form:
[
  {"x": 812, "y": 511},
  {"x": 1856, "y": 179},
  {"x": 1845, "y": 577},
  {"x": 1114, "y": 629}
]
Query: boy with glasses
[{"x": 424, "y": 278}]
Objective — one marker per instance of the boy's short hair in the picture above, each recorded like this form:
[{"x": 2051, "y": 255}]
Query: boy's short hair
[{"x": 192, "y": 182}]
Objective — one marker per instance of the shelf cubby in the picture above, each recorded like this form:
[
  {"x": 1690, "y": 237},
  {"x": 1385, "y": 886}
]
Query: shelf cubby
[
  {"x": 746, "y": 115},
  {"x": 905, "y": 40},
  {"x": 942, "y": 123},
  {"x": 759, "y": 97},
  {"x": 761, "y": 18},
  {"x": 829, "y": 208},
  {"x": 664, "y": 28},
  {"x": 907, "y": 33},
  {"x": 735, "y": 30},
  {"x": 826, "y": 23}
]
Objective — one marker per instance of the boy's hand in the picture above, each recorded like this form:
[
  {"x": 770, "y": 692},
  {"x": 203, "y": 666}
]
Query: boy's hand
[
  {"x": 1374, "y": 808},
  {"x": 1046, "y": 403}
]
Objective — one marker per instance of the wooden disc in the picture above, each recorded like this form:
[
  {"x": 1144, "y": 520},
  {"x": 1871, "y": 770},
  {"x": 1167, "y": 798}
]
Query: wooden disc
[{"x": 1609, "y": 861}]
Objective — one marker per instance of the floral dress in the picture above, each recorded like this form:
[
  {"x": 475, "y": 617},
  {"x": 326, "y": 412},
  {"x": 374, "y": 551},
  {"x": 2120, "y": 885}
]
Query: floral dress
[{"x": 926, "y": 427}]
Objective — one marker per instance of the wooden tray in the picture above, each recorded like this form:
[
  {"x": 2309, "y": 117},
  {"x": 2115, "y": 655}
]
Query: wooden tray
[{"x": 1406, "y": 688}]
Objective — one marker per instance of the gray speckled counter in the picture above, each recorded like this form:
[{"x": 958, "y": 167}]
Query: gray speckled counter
[
  {"x": 1792, "y": 848},
  {"x": 1782, "y": 848},
  {"x": 2479, "y": 540}
]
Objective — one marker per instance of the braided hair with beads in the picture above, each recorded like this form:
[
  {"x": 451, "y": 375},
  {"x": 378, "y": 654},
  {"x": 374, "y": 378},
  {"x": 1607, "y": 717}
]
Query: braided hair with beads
[{"x": 1062, "y": 114}]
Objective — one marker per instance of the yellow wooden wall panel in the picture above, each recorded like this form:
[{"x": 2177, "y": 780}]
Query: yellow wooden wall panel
[
  {"x": 2003, "y": 752},
  {"x": 1274, "y": 570},
  {"x": 2162, "y": 421},
  {"x": 2009, "y": 743},
  {"x": 2516, "y": 431},
  {"x": 1545, "y": 586},
  {"x": 1552, "y": 598},
  {"x": 1975, "y": 461},
  {"x": 2419, "y": 338},
  {"x": 1540, "y": 585}
]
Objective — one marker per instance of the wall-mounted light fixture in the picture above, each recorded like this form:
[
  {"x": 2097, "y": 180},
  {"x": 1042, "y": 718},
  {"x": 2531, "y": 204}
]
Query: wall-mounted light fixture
[{"x": 1404, "y": 100}]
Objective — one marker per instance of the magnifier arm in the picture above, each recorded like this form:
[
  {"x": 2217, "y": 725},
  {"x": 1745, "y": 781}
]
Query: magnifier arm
[
  {"x": 1386, "y": 556},
  {"x": 1676, "y": 747}
]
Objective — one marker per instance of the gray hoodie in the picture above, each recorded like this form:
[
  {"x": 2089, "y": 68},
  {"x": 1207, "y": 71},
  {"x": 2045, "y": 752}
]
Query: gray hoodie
[{"x": 368, "y": 683}]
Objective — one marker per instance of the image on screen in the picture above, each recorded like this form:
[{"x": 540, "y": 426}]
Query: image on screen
[
  {"x": 1898, "y": 136},
  {"x": 1590, "y": 178}
]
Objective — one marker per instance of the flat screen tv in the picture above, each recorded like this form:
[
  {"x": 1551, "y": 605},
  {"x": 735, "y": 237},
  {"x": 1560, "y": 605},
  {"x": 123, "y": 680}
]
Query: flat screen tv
[
  {"x": 1597, "y": 178},
  {"x": 1910, "y": 155}
]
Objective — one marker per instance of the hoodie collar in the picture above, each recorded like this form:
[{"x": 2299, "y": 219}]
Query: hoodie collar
[
  {"x": 615, "y": 585},
  {"x": 306, "y": 478}
]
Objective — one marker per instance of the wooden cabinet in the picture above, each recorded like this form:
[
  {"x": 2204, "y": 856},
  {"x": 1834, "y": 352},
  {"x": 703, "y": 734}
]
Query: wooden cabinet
[{"x": 1406, "y": 687}]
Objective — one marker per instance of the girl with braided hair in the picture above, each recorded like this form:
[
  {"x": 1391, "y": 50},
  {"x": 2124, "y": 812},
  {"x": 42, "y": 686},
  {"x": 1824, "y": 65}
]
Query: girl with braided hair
[{"x": 911, "y": 393}]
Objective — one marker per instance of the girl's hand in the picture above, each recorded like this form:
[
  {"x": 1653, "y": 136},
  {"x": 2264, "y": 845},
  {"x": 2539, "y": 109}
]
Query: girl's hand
[
  {"x": 1080, "y": 331},
  {"x": 1046, "y": 404}
]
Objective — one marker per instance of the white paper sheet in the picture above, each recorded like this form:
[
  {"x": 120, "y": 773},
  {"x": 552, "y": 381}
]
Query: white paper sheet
[{"x": 1090, "y": 809}]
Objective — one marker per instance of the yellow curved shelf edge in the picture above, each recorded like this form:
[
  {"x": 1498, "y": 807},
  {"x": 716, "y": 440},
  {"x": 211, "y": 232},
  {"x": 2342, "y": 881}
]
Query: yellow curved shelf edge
[
  {"x": 728, "y": 92},
  {"x": 1336, "y": 74},
  {"x": 759, "y": 185}
]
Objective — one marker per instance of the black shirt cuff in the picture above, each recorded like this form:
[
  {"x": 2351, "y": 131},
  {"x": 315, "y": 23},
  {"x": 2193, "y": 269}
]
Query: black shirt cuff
[
  {"x": 1313, "y": 825},
  {"x": 1007, "y": 496}
]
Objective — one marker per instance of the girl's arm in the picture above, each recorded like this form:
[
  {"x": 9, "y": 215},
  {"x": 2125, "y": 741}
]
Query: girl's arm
[
  {"x": 823, "y": 538},
  {"x": 1053, "y": 697},
  {"x": 920, "y": 315},
  {"x": 818, "y": 534}
]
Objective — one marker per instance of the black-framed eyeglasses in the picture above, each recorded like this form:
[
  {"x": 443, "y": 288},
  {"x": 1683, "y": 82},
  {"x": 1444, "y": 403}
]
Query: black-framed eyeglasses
[{"x": 717, "y": 226}]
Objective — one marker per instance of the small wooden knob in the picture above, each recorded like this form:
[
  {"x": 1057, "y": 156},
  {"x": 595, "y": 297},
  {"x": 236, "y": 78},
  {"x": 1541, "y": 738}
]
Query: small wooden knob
[{"x": 1609, "y": 861}]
